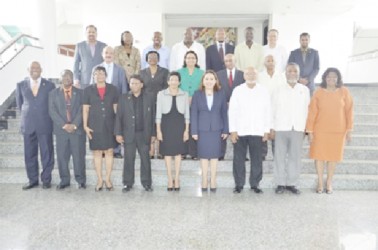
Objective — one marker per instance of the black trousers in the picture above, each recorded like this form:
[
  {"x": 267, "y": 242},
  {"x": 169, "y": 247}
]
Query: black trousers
[
  {"x": 67, "y": 145},
  {"x": 254, "y": 143},
  {"x": 129, "y": 161}
]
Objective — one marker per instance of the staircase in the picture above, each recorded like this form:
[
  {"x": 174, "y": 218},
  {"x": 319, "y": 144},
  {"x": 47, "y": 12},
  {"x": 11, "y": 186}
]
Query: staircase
[{"x": 358, "y": 171}]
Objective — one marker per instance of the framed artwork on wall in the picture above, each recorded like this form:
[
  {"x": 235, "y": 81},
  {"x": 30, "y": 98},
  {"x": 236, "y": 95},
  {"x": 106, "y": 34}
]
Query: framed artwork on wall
[{"x": 206, "y": 35}]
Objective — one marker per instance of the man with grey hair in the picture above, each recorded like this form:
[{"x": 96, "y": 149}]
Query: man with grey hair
[
  {"x": 276, "y": 50},
  {"x": 289, "y": 113},
  {"x": 65, "y": 109}
]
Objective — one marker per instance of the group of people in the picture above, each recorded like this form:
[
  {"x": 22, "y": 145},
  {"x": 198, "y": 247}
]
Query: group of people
[{"x": 185, "y": 101}]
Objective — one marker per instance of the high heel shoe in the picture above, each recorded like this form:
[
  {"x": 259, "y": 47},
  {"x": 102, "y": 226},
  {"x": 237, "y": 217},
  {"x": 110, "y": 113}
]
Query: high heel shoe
[
  {"x": 169, "y": 189},
  {"x": 319, "y": 191},
  {"x": 329, "y": 191},
  {"x": 213, "y": 190},
  {"x": 204, "y": 189},
  {"x": 99, "y": 188},
  {"x": 109, "y": 188},
  {"x": 176, "y": 188}
]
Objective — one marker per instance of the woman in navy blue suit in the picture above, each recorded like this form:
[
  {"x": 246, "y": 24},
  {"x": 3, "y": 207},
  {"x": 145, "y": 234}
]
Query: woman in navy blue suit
[{"x": 209, "y": 125}]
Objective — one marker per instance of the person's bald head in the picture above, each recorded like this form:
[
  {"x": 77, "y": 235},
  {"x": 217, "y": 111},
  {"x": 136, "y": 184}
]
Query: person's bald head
[
  {"x": 157, "y": 38},
  {"x": 250, "y": 75},
  {"x": 34, "y": 70},
  {"x": 188, "y": 35},
  {"x": 269, "y": 62},
  {"x": 108, "y": 54},
  {"x": 220, "y": 35},
  {"x": 229, "y": 61}
]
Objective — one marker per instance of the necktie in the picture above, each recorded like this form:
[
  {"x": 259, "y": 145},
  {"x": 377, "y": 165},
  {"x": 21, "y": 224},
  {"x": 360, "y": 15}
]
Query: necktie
[
  {"x": 35, "y": 88},
  {"x": 230, "y": 79},
  {"x": 67, "y": 97},
  {"x": 221, "y": 53}
]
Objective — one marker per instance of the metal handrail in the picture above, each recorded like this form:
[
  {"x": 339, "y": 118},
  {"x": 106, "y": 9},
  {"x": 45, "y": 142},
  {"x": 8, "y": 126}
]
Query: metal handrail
[
  {"x": 364, "y": 56},
  {"x": 15, "y": 40}
]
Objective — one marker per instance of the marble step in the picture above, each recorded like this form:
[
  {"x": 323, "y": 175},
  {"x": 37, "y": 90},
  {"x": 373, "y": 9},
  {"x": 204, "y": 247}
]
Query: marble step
[
  {"x": 192, "y": 179},
  {"x": 363, "y": 167}
]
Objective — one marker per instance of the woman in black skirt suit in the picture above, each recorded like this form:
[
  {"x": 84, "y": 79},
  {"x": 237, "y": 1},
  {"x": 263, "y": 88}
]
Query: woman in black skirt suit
[
  {"x": 209, "y": 125},
  {"x": 100, "y": 105},
  {"x": 172, "y": 125}
]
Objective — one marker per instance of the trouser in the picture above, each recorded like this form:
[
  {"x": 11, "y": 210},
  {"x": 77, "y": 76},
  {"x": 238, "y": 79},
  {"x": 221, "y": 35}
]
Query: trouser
[
  {"x": 129, "y": 161},
  {"x": 45, "y": 143},
  {"x": 67, "y": 145},
  {"x": 287, "y": 157},
  {"x": 254, "y": 143}
]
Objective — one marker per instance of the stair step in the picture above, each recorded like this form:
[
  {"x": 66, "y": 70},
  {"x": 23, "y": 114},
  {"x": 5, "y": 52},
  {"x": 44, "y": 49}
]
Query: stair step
[
  {"x": 192, "y": 179},
  {"x": 364, "y": 167}
]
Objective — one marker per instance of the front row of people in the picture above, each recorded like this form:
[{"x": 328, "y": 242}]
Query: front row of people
[{"x": 137, "y": 117}]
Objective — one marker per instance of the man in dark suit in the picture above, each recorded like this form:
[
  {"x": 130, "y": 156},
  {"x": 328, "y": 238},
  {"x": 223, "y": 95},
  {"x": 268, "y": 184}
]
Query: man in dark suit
[
  {"x": 308, "y": 61},
  {"x": 134, "y": 127},
  {"x": 229, "y": 78},
  {"x": 215, "y": 53},
  {"x": 36, "y": 125},
  {"x": 66, "y": 111},
  {"x": 87, "y": 55}
]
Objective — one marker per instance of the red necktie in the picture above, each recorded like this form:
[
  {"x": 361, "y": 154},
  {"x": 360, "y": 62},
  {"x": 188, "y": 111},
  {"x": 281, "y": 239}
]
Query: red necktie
[
  {"x": 68, "y": 105},
  {"x": 221, "y": 53},
  {"x": 230, "y": 80}
]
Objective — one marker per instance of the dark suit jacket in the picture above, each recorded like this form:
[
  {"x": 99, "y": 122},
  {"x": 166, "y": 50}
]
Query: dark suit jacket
[
  {"x": 125, "y": 123},
  {"x": 34, "y": 109},
  {"x": 223, "y": 79},
  {"x": 310, "y": 68},
  {"x": 84, "y": 61},
  {"x": 118, "y": 79},
  {"x": 203, "y": 119},
  {"x": 213, "y": 60},
  {"x": 58, "y": 113},
  {"x": 156, "y": 84},
  {"x": 101, "y": 113}
]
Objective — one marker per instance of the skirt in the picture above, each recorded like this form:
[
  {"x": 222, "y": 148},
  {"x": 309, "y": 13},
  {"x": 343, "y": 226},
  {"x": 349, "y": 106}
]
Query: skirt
[
  {"x": 327, "y": 146},
  {"x": 209, "y": 144}
]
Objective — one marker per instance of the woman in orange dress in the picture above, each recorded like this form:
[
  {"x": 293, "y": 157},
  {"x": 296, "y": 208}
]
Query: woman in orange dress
[{"x": 329, "y": 124}]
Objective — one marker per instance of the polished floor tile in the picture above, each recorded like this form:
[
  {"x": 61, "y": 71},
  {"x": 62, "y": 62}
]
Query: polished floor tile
[{"x": 189, "y": 219}]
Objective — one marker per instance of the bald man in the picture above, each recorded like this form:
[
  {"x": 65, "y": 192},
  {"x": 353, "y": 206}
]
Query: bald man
[
  {"x": 249, "y": 126},
  {"x": 215, "y": 53},
  {"x": 32, "y": 96},
  {"x": 164, "y": 51}
]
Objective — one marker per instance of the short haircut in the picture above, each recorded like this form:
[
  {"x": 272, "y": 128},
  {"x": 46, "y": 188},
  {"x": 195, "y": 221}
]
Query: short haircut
[
  {"x": 249, "y": 28},
  {"x": 295, "y": 65},
  {"x": 91, "y": 26},
  {"x": 273, "y": 30},
  {"x": 216, "y": 87},
  {"x": 137, "y": 77},
  {"x": 174, "y": 73},
  {"x": 339, "y": 83},
  {"x": 100, "y": 68},
  {"x": 66, "y": 72},
  {"x": 304, "y": 34},
  {"x": 125, "y": 32},
  {"x": 153, "y": 52},
  {"x": 195, "y": 54}
]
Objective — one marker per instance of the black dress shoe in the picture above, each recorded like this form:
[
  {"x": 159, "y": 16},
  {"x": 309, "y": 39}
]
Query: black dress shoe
[
  {"x": 293, "y": 189},
  {"x": 126, "y": 188},
  {"x": 280, "y": 189},
  {"x": 220, "y": 158},
  {"x": 62, "y": 186},
  {"x": 257, "y": 190},
  {"x": 46, "y": 185},
  {"x": 148, "y": 188},
  {"x": 118, "y": 156},
  {"x": 238, "y": 189},
  {"x": 82, "y": 186},
  {"x": 29, "y": 186}
]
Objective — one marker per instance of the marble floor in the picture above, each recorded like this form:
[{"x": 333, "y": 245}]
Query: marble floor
[{"x": 83, "y": 219}]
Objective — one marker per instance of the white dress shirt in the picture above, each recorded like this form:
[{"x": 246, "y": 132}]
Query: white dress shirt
[
  {"x": 280, "y": 56},
  {"x": 290, "y": 107},
  {"x": 272, "y": 82},
  {"x": 249, "y": 111},
  {"x": 109, "y": 71},
  {"x": 178, "y": 53},
  {"x": 164, "y": 53}
]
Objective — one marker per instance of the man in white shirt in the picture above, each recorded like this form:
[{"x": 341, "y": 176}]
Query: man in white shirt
[
  {"x": 180, "y": 48},
  {"x": 249, "y": 53},
  {"x": 160, "y": 48},
  {"x": 289, "y": 113},
  {"x": 277, "y": 51},
  {"x": 249, "y": 124},
  {"x": 272, "y": 79}
]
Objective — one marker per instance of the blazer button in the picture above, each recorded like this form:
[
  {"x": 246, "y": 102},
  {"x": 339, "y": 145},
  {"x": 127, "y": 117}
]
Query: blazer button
[
  {"x": 103, "y": 108},
  {"x": 133, "y": 117}
]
